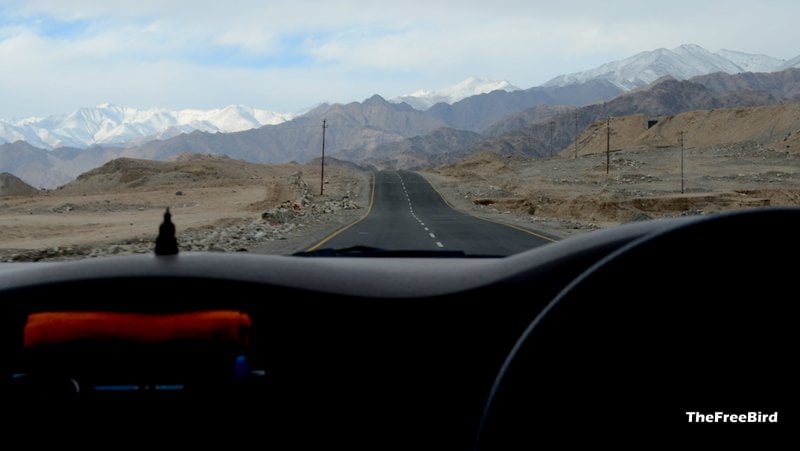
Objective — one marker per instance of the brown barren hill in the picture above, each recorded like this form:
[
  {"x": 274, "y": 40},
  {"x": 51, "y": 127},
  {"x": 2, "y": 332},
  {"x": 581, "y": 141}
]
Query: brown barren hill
[
  {"x": 733, "y": 158},
  {"x": 776, "y": 126},
  {"x": 217, "y": 204},
  {"x": 11, "y": 185},
  {"x": 183, "y": 171}
]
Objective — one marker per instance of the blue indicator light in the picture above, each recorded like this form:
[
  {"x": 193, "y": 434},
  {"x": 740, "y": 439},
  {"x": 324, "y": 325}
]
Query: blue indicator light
[
  {"x": 172, "y": 387},
  {"x": 116, "y": 387}
]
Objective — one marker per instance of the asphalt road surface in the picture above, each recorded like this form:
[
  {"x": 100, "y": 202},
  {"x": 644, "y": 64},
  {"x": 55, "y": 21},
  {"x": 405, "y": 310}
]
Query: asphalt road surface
[{"x": 409, "y": 214}]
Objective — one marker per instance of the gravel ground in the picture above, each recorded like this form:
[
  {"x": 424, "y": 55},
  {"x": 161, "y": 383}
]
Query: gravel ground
[
  {"x": 290, "y": 227},
  {"x": 565, "y": 196},
  {"x": 463, "y": 198}
]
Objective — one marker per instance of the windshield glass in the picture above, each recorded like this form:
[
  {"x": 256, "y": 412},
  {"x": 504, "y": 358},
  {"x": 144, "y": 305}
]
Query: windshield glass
[{"x": 447, "y": 129}]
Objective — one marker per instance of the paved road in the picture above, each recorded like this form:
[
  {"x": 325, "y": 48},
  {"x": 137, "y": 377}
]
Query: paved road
[{"x": 408, "y": 214}]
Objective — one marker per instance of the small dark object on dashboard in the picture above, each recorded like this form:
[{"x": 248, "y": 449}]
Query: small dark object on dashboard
[{"x": 166, "y": 243}]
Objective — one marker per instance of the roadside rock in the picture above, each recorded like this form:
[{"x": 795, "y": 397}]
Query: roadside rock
[
  {"x": 278, "y": 215},
  {"x": 275, "y": 224}
]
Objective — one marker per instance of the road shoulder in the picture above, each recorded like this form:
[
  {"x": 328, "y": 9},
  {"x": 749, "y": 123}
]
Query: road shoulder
[{"x": 449, "y": 189}]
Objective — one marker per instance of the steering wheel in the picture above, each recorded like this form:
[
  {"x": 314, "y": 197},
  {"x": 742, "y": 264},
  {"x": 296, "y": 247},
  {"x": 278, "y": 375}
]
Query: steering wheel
[{"x": 697, "y": 318}]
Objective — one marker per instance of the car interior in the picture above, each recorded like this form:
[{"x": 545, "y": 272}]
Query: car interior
[{"x": 619, "y": 330}]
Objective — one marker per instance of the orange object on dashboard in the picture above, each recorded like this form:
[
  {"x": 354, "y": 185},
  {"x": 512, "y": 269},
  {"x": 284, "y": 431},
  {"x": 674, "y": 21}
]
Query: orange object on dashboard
[{"x": 212, "y": 326}]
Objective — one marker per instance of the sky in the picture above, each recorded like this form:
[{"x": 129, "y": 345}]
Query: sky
[{"x": 59, "y": 55}]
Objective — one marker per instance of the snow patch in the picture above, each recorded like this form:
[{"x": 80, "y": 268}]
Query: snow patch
[
  {"x": 424, "y": 99},
  {"x": 749, "y": 62},
  {"x": 683, "y": 62}
]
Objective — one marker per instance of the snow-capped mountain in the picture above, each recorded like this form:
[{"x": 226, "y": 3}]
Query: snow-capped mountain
[
  {"x": 682, "y": 62},
  {"x": 116, "y": 125},
  {"x": 793, "y": 63},
  {"x": 752, "y": 62},
  {"x": 424, "y": 99}
]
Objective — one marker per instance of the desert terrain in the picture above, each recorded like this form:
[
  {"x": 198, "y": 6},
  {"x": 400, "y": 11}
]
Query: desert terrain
[
  {"x": 217, "y": 204},
  {"x": 732, "y": 159}
]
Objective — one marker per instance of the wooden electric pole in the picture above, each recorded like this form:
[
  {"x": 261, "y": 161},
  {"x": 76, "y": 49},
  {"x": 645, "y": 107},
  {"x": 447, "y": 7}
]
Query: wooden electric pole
[
  {"x": 682, "y": 183},
  {"x": 530, "y": 142},
  {"x": 608, "y": 143},
  {"x": 576, "y": 133},
  {"x": 322, "y": 164}
]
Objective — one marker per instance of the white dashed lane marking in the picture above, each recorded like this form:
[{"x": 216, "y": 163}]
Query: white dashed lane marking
[{"x": 411, "y": 210}]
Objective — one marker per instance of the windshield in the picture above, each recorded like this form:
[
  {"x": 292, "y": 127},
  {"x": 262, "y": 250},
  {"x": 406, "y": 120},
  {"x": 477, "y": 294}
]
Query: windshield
[{"x": 444, "y": 130}]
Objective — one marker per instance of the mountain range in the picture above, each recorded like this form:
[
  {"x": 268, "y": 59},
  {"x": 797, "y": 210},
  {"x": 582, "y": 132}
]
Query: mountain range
[
  {"x": 112, "y": 125},
  {"x": 481, "y": 102},
  {"x": 357, "y": 128},
  {"x": 354, "y": 129},
  {"x": 666, "y": 96},
  {"x": 396, "y": 134},
  {"x": 683, "y": 62},
  {"x": 109, "y": 124}
]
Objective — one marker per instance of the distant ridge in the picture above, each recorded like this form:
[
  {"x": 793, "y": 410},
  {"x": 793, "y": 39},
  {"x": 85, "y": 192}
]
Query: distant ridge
[
  {"x": 109, "y": 124},
  {"x": 682, "y": 63},
  {"x": 424, "y": 99},
  {"x": 11, "y": 185},
  {"x": 665, "y": 97}
]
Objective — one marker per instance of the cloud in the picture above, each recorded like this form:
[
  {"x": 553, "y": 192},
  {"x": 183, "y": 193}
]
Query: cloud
[{"x": 288, "y": 55}]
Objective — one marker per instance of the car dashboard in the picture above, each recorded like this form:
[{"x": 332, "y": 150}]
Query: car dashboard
[{"x": 401, "y": 352}]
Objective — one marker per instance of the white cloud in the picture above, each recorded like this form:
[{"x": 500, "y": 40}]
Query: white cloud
[{"x": 288, "y": 55}]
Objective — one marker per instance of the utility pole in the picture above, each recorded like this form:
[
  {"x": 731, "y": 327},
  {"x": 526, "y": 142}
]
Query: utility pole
[
  {"x": 530, "y": 142},
  {"x": 322, "y": 164},
  {"x": 552, "y": 125},
  {"x": 608, "y": 143},
  {"x": 576, "y": 133},
  {"x": 682, "y": 147}
]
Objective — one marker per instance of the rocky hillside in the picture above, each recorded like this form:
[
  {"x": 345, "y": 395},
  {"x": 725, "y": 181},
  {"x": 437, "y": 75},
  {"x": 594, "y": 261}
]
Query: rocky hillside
[
  {"x": 358, "y": 127},
  {"x": 11, "y": 185},
  {"x": 419, "y": 151},
  {"x": 184, "y": 171},
  {"x": 479, "y": 112},
  {"x": 783, "y": 85},
  {"x": 531, "y": 116},
  {"x": 374, "y": 131},
  {"x": 217, "y": 203},
  {"x": 353, "y": 126},
  {"x": 364, "y": 126},
  {"x": 777, "y": 126},
  {"x": 544, "y": 130},
  {"x": 49, "y": 169},
  {"x": 576, "y": 194},
  {"x": 665, "y": 97}
]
